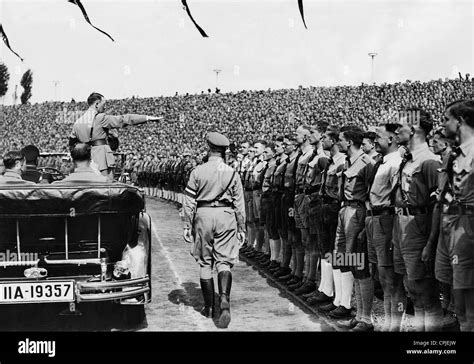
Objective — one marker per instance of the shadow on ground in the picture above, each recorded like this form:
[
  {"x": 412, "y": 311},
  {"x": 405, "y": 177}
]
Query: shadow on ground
[{"x": 191, "y": 297}]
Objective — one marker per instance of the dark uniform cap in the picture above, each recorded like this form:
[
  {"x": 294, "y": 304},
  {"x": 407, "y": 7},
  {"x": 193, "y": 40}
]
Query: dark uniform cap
[
  {"x": 31, "y": 153},
  {"x": 217, "y": 140}
]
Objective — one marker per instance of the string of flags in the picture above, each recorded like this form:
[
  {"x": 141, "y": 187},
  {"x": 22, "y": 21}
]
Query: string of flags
[
  {"x": 7, "y": 43},
  {"x": 86, "y": 17},
  {"x": 186, "y": 7},
  {"x": 83, "y": 10},
  {"x": 300, "y": 6}
]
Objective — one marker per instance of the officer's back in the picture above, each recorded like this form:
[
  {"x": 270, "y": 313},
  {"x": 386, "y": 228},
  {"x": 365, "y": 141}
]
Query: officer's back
[{"x": 212, "y": 178}]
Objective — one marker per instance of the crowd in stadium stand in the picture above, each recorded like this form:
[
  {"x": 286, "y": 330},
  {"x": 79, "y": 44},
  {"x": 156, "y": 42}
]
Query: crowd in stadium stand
[{"x": 242, "y": 116}]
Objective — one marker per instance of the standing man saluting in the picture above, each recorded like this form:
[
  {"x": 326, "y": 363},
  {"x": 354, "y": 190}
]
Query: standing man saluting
[
  {"x": 215, "y": 211},
  {"x": 92, "y": 128}
]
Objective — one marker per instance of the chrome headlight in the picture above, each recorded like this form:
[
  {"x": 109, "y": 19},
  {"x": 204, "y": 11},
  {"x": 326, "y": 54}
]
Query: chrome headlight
[{"x": 121, "y": 270}]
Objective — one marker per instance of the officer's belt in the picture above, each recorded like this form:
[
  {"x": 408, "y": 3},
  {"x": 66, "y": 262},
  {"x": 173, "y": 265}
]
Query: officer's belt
[
  {"x": 311, "y": 189},
  {"x": 329, "y": 200},
  {"x": 213, "y": 204},
  {"x": 411, "y": 210},
  {"x": 458, "y": 209},
  {"x": 96, "y": 143},
  {"x": 352, "y": 203},
  {"x": 381, "y": 211}
]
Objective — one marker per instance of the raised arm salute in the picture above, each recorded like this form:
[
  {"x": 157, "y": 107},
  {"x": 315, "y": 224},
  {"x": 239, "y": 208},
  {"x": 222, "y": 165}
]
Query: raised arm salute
[{"x": 93, "y": 128}]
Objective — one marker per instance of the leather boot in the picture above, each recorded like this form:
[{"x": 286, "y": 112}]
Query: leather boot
[
  {"x": 224, "y": 280},
  {"x": 207, "y": 289},
  {"x": 282, "y": 272}
]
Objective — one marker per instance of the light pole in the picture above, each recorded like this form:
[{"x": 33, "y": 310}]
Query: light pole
[
  {"x": 217, "y": 75},
  {"x": 56, "y": 83},
  {"x": 372, "y": 55}
]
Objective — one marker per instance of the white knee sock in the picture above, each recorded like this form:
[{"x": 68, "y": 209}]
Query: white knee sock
[
  {"x": 277, "y": 246},
  {"x": 347, "y": 284},
  {"x": 272, "y": 248},
  {"x": 328, "y": 287},
  {"x": 336, "y": 273}
]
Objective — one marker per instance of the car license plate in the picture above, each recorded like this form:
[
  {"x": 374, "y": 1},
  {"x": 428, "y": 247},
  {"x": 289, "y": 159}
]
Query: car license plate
[{"x": 33, "y": 292}]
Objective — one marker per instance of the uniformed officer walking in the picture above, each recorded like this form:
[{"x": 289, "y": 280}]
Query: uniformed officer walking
[
  {"x": 93, "y": 127},
  {"x": 214, "y": 215}
]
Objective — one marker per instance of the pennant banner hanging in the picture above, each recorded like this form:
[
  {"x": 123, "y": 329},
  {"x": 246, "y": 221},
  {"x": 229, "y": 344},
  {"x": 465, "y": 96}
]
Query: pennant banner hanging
[
  {"x": 7, "y": 43},
  {"x": 79, "y": 4},
  {"x": 300, "y": 5},
  {"x": 186, "y": 7}
]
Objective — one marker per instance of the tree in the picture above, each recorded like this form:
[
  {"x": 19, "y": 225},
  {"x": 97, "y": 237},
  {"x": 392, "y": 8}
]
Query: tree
[
  {"x": 26, "y": 82},
  {"x": 4, "y": 78}
]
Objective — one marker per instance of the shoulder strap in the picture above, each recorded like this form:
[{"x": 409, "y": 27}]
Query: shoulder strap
[
  {"x": 92, "y": 127},
  {"x": 218, "y": 197}
]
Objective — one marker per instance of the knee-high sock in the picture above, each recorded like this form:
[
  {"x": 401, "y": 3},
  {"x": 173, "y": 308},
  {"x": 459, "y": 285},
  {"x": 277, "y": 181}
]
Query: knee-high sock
[
  {"x": 307, "y": 262},
  {"x": 367, "y": 298},
  {"x": 299, "y": 262},
  {"x": 272, "y": 249},
  {"x": 327, "y": 280},
  {"x": 433, "y": 313},
  {"x": 277, "y": 248},
  {"x": 396, "y": 317},
  {"x": 286, "y": 253},
  {"x": 293, "y": 260},
  {"x": 358, "y": 297},
  {"x": 313, "y": 266},
  {"x": 323, "y": 279},
  {"x": 347, "y": 284},
  {"x": 387, "y": 308},
  {"x": 266, "y": 245},
  {"x": 419, "y": 321},
  {"x": 260, "y": 239},
  {"x": 337, "y": 286}
]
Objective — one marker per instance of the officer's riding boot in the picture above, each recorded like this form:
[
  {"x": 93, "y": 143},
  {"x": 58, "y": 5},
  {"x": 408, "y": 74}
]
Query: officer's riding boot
[
  {"x": 207, "y": 288},
  {"x": 224, "y": 280}
]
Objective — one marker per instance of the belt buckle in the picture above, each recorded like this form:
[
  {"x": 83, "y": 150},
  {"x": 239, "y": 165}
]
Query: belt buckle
[
  {"x": 399, "y": 211},
  {"x": 214, "y": 203}
]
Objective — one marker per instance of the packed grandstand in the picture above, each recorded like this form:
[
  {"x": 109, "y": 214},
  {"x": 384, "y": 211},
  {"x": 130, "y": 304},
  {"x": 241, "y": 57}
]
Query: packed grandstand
[{"x": 242, "y": 116}]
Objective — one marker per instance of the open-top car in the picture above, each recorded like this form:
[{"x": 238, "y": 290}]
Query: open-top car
[{"x": 74, "y": 244}]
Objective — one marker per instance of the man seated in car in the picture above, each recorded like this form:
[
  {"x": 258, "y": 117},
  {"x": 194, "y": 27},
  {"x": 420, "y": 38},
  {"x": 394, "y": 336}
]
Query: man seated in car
[
  {"x": 83, "y": 172},
  {"x": 15, "y": 164}
]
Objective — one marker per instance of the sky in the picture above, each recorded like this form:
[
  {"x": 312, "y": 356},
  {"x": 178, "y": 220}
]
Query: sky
[{"x": 257, "y": 45}]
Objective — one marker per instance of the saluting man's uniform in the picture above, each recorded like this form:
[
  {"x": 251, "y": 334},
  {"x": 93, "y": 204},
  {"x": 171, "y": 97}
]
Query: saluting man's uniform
[
  {"x": 214, "y": 208},
  {"x": 92, "y": 128}
]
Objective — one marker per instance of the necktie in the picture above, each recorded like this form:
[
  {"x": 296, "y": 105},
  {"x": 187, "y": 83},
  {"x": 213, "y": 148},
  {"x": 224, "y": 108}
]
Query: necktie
[
  {"x": 374, "y": 172},
  {"x": 455, "y": 152},
  {"x": 343, "y": 178},
  {"x": 406, "y": 158},
  {"x": 325, "y": 175}
]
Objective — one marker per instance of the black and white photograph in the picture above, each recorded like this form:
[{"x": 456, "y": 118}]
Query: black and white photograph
[{"x": 200, "y": 175}]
